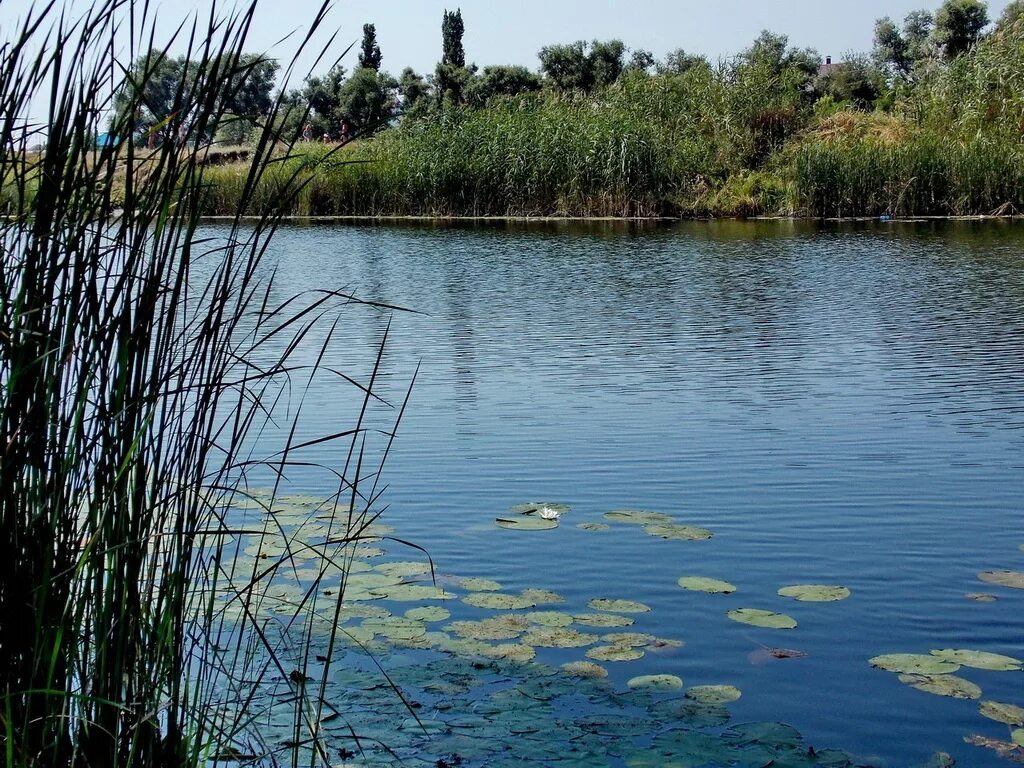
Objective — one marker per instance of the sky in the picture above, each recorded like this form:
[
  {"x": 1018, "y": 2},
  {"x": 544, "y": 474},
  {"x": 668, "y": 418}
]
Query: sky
[{"x": 501, "y": 32}]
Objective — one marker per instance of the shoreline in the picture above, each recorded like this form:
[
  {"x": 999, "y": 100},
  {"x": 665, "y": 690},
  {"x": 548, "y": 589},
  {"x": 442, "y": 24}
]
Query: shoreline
[{"x": 620, "y": 219}]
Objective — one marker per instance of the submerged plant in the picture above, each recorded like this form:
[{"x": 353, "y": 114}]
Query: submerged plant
[{"x": 139, "y": 360}]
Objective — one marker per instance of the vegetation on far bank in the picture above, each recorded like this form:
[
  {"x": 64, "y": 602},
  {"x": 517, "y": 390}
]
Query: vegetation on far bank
[{"x": 930, "y": 122}]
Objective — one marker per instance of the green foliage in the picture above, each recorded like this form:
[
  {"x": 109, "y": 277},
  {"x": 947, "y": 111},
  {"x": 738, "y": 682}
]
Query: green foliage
[
  {"x": 369, "y": 52},
  {"x": 959, "y": 24},
  {"x": 856, "y": 81},
  {"x": 583, "y": 67},
  {"x": 679, "y": 62},
  {"x": 415, "y": 92},
  {"x": 136, "y": 365},
  {"x": 452, "y": 30},
  {"x": 501, "y": 81},
  {"x": 367, "y": 101}
]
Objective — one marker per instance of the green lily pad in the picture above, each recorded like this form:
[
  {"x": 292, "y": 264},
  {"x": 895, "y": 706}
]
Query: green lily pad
[
  {"x": 765, "y": 619},
  {"x": 404, "y": 569},
  {"x": 981, "y": 660},
  {"x": 585, "y": 669},
  {"x": 631, "y": 639},
  {"x": 815, "y": 593},
  {"x": 412, "y": 593},
  {"x": 536, "y": 507},
  {"x": 558, "y": 637},
  {"x": 603, "y": 620},
  {"x": 981, "y": 597},
  {"x": 914, "y": 664},
  {"x": 664, "y": 645},
  {"x": 678, "y": 532},
  {"x": 1012, "y": 579},
  {"x": 517, "y": 652},
  {"x": 704, "y": 584},
  {"x": 480, "y": 585},
  {"x": 526, "y": 523},
  {"x": 1010, "y": 714},
  {"x": 1017, "y": 737},
  {"x": 618, "y": 606},
  {"x": 593, "y": 527},
  {"x": 637, "y": 517},
  {"x": 614, "y": 653},
  {"x": 498, "y": 601},
  {"x": 493, "y": 628},
  {"x": 950, "y": 686},
  {"x": 550, "y": 618},
  {"x": 714, "y": 694},
  {"x": 395, "y": 628},
  {"x": 659, "y": 683},
  {"x": 542, "y": 596},
  {"x": 429, "y": 614},
  {"x": 774, "y": 735}
]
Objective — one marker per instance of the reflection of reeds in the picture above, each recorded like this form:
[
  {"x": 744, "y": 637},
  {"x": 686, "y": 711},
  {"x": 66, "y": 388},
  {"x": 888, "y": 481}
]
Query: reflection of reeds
[{"x": 135, "y": 375}]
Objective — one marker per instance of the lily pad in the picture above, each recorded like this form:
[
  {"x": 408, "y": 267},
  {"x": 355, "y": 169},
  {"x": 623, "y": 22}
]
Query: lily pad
[
  {"x": 678, "y": 532},
  {"x": 585, "y": 669},
  {"x": 593, "y": 527},
  {"x": 1007, "y": 750},
  {"x": 558, "y": 637},
  {"x": 428, "y": 614},
  {"x": 498, "y": 601},
  {"x": 614, "y": 653},
  {"x": 516, "y": 652},
  {"x": 526, "y": 523},
  {"x": 632, "y": 639},
  {"x": 981, "y": 597},
  {"x": 704, "y": 584},
  {"x": 493, "y": 628},
  {"x": 1017, "y": 737},
  {"x": 603, "y": 620},
  {"x": 1002, "y": 713},
  {"x": 550, "y": 618},
  {"x": 759, "y": 618},
  {"x": 914, "y": 664},
  {"x": 981, "y": 660},
  {"x": 537, "y": 507},
  {"x": 714, "y": 694},
  {"x": 412, "y": 593},
  {"x": 815, "y": 593},
  {"x": 950, "y": 686},
  {"x": 637, "y": 517},
  {"x": 1012, "y": 579},
  {"x": 542, "y": 596},
  {"x": 659, "y": 683},
  {"x": 480, "y": 585},
  {"x": 618, "y": 606}
]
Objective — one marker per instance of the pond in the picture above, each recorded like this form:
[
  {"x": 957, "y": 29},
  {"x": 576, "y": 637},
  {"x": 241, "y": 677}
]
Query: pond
[{"x": 837, "y": 405}]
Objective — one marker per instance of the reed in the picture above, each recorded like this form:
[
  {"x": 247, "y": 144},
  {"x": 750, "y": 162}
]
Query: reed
[{"x": 137, "y": 367}]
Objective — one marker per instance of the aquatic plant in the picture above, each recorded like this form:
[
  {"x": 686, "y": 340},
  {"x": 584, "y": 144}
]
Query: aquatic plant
[{"x": 138, "y": 359}]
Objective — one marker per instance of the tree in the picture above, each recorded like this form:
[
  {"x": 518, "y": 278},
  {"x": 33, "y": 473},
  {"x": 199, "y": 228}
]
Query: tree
[
  {"x": 641, "y": 61},
  {"x": 567, "y": 67},
  {"x": 959, "y": 24},
  {"x": 607, "y": 61},
  {"x": 366, "y": 101},
  {"x": 772, "y": 53},
  {"x": 415, "y": 92},
  {"x": 323, "y": 95},
  {"x": 250, "y": 93},
  {"x": 452, "y": 31},
  {"x": 900, "y": 51},
  {"x": 158, "y": 87},
  {"x": 856, "y": 81},
  {"x": 369, "y": 53},
  {"x": 679, "y": 62},
  {"x": 501, "y": 81},
  {"x": 579, "y": 67}
]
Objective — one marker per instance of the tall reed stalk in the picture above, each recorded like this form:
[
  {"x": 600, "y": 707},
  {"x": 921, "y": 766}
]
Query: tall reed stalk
[{"x": 134, "y": 374}]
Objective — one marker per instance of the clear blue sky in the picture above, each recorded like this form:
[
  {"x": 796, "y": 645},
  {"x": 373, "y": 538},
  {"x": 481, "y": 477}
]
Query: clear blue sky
[{"x": 500, "y": 32}]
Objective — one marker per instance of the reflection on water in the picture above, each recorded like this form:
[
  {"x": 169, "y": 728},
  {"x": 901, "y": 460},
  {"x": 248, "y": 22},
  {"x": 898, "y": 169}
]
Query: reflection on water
[{"x": 839, "y": 404}]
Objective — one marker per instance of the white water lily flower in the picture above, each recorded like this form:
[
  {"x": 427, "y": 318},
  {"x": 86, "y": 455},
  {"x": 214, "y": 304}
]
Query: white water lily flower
[{"x": 548, "y": 513}]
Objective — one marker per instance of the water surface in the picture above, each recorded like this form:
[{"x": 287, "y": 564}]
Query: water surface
[{"x": 838, "y": 404}]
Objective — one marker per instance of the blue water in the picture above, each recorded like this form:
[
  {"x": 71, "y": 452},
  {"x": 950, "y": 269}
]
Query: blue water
[{"x": 838, "y": 404}]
